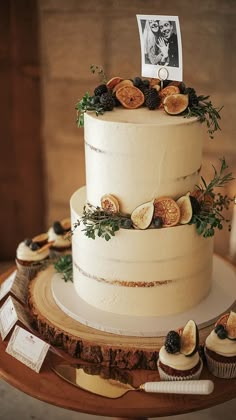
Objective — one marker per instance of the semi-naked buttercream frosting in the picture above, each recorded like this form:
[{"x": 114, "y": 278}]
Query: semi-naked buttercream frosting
[
  {"x": 138, "y": 156},
  {"x": 144, "y": 273}
]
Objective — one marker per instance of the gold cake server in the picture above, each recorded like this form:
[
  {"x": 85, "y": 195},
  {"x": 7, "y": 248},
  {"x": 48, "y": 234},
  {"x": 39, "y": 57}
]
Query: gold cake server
[{"x": 113, "y": 388}]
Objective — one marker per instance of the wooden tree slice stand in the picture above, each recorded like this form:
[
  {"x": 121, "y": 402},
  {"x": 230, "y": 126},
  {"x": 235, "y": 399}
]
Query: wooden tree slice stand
[{"x": 89, "y": 344}]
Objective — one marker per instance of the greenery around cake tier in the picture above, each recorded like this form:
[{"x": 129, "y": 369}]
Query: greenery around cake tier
[
  {"x": 182, "y": 100},
  {"x": 205, "y": 208}
]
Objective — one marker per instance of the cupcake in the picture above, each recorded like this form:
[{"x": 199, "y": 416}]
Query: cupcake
[
  {"x": 220, "y": 347},
  {"x": 32, "y": 254},
  {"x": 60, "y": 238},
  {"x": 179, "y": 358}
]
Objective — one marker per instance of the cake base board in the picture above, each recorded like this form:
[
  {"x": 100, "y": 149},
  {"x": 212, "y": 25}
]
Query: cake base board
[
  {"x": 92, "y": 345},
  {"x": 220, "y": 299}
]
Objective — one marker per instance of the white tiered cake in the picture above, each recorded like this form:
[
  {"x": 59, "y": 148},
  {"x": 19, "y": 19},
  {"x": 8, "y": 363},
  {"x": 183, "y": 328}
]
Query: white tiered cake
[{"x": 138, "y": 156}]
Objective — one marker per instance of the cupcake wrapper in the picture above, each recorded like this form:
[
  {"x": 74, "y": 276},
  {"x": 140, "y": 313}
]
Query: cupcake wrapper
[
  {"x": 56, "y": 253},
  {"x": 28, "y": 271},
  {"x": 165, "y": 377},
  {"x": 221, "y": 369}
]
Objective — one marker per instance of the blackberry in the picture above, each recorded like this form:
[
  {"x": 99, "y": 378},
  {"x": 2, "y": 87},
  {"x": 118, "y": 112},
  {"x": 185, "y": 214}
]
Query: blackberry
[
  {"x": 196, "y": 207},
  {"x": 95, "y": 100},
  {"x": 219, "y": 327},
  {"x": 158, "y": 222},
  {"x": 145, "y": 91},
  {"x": 182, "y": 87},
  {"x": 107, "y": 101},
  {"x": 153, "y": 99},
  {"x": 146, "y": 82},
  {"x": 34, "y": 246},
  {"x": 192, "y": 96},
  {"x": 115, "y": 100},
  {"x": 27, "y": 241},
  {"x": 137, "y": 81},
  {"x": 166, "y": 83},
  {"x": 99, "y": 90},
  {"x": 126, "y": 224},
  {"x": 58, "y": 229},
  {"x": 172, "y": 342},
  {"x": 222, "y": 334}
]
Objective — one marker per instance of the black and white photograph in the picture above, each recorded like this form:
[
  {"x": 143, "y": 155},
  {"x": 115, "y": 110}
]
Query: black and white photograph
[{"x": 161, "y": 47}]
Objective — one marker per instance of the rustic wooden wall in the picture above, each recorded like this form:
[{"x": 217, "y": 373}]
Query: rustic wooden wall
[
  {"x": 22, "y": 210},
  {"x": 38, "y": 173},
  {"x": 76, "y": 34}
]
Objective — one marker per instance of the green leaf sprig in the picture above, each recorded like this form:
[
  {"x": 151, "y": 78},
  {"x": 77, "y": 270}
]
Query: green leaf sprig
[
  {"x": 205, "y": 111},
  {"x": 98, "y": 69},
  {"x": 101, "y": 223},
  {"x": 211, "y": 215},
  {"x": 87, "y": 103},
  {"x": 64, "y": 265}
]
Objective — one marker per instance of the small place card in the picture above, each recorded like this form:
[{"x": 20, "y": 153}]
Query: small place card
[
  {"x": 6, "y": 286},
  {"x": 11, "y": 312},
  {"x": 27, "y": 348},
  {"x": 16, "y": 285}
]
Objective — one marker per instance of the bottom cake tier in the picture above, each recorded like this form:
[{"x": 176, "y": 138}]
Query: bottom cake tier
[
  {"x": 151, "y": 272},
  {"x": 83, "y": 334}
]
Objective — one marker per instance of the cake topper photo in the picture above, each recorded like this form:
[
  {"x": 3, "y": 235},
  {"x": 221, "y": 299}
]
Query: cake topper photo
[{"x": 161, "y": 47}]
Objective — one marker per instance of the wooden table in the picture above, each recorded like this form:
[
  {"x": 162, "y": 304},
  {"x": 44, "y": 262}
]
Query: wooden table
[{"x": 49, "y": 387}]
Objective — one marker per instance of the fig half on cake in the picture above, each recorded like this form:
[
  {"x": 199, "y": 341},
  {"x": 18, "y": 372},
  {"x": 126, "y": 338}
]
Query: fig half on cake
[
  {"x": 189, "y": 340},
  {"x": 142, "y": 215}
]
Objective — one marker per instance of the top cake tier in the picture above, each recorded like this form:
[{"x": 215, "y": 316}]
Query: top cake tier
[{"x": 138, "y": 155}]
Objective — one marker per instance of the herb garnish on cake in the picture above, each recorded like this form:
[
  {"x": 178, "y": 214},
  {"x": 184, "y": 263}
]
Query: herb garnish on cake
[
  {"x": 171, "y": 96},
  {"x": 203, "y": 207}
]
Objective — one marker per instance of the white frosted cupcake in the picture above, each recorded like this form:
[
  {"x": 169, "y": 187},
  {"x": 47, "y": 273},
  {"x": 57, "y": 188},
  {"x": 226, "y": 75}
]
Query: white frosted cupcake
[
  {"x": 179, "y": 358},
  {"x": 32, "y": 254},
  {"x": 60, "y": 238},
  {"x": 220, "y": 347}
]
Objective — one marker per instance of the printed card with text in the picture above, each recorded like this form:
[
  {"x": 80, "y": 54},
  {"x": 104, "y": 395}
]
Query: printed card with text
[
  {"x": 10, "y": 313},
  {"x": 16, "y": 285},
  {"x": 27, "y": 348}
]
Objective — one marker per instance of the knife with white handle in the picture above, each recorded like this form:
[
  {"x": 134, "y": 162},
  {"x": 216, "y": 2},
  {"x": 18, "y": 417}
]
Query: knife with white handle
[{"x": 113, "y": 388}]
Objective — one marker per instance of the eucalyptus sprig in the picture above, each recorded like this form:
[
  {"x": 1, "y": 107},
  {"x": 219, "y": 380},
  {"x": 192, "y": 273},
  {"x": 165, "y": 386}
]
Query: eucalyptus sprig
[
  {"x": 218, "y": 181},
  {"x": 99, "y": 69},
  {"x": 101, "y": 223},
  {"x": 87, "y": 103},
  {"x": 206, "y": 112},
  {"x": 64, "y": 265},
  {"x": 210, "y": 216}
]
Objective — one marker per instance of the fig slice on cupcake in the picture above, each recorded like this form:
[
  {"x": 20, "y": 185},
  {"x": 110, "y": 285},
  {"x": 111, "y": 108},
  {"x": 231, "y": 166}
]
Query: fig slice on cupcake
[{"x": 179, "y": 358}]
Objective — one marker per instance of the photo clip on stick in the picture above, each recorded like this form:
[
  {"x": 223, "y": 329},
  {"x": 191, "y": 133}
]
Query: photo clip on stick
[{"x": 162, "y": 74}]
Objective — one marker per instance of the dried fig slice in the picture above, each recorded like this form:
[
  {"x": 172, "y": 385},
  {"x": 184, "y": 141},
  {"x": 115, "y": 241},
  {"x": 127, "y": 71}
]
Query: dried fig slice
[
  {"x": 186, "y": 211},
  {"x": 130, "y": 97},
  {"x": 154, "y": 82},
  {"x": 66, "y": 223},
  {"x": 40, "y": 239},
  {"x": 168, "y": 90},
  {"x": 222, "y": 320},
  {"x": 122, "y": 83},
  {"x": 113, "y": 82},
  {"x": 168, "y": 210},
  {"x": 189, "y": 339},
  {"x": 231, "y": 326},
  {"x": 142, "y": 215},
  {"x": 175, "y": 104},
  {"x": 110, "y": 203}
]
